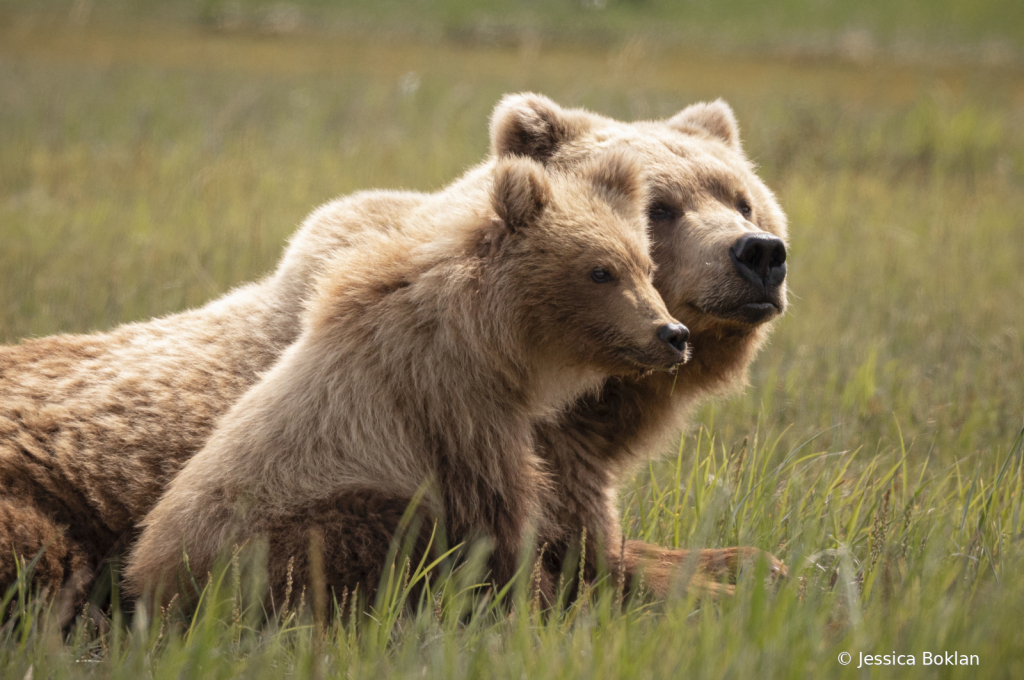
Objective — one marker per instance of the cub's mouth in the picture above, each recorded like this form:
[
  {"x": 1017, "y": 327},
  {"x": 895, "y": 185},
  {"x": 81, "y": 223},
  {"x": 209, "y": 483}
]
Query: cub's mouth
[{"x": 645, "y": 361}]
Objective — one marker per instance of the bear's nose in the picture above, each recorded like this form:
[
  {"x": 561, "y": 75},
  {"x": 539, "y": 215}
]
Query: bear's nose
[
  {"x": 760, "y": 258},
  {"x": 675, "y": 334}
]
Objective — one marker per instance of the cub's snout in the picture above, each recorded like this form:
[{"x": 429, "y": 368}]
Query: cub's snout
[
  {"x": 676, "y": 335},
  {"x": 668, "y": 346}
]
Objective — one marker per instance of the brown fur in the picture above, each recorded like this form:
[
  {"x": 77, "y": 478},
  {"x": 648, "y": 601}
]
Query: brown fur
[
  {"x": 354, "y": 532},
  {"x": 425, "y": 359},
  {"x": 92, "y": 428},
  {"x": 695, "y": 168}
]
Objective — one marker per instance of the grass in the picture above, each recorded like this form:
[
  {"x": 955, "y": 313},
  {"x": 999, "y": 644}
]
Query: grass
[
  {"x": 877, "y": 449},
  {"x": 982, "y": 30}
]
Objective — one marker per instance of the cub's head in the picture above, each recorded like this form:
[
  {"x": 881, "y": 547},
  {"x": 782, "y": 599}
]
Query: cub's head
[
  {"x": 571, "y": 250},
  {"x": 718, "y": 236}
]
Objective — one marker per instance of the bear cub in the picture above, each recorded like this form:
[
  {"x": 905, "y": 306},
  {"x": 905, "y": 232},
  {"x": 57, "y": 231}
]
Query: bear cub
[{"x": 429, "y": 358}]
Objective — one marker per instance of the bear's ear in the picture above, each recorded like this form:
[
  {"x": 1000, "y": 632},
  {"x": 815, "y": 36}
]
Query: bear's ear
[
  {"x": 619, "y": 177},
  {"x": 520, "y": 191},
  {"x": 715, "y": 118},
  {"x": 532, "y": 125}
]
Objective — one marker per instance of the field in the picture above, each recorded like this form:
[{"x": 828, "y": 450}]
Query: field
[{"x": 148, "y": 163}]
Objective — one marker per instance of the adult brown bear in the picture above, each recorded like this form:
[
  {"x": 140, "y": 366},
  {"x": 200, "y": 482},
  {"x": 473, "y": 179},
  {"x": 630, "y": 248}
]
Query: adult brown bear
[
  {"x": 93, "y": 427},
  {"x": 719, "y": 244}
]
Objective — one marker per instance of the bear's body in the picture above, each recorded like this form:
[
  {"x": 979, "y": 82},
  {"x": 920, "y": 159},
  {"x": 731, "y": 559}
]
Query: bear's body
[
  {"x": 94, "y": 427},
  {"x": 429, "y": 356},
  {"x": 157, "y": 389}
]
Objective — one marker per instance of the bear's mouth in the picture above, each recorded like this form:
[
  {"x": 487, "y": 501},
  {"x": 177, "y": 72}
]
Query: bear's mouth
[
  {"x": 747, "y": 313},
  {"x": 641, "y": 362},
  {"x": 755, "y": 312}
]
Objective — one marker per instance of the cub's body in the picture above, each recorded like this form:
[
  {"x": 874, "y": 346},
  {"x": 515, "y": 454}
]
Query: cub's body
[{"x": 427, "y": 357}]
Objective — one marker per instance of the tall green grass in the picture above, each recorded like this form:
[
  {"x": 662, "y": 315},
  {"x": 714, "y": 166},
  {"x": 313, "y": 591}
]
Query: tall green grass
[
  {"x": 876, "y": 450},
  {"x": 888, "y": 559}
]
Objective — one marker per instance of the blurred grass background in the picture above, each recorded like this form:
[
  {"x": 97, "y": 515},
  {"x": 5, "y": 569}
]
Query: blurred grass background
[{"x": 153, "y": 156}]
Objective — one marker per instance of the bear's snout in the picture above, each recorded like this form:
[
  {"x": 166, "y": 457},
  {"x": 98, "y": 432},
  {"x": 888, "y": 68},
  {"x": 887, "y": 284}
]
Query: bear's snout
[
  {"x": 675, "y": 334},
  {"x": 760, "y": 258}
]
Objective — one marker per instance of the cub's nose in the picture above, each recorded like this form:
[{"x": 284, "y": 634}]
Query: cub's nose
[
  {"x": 760, "y": 258},
  {"x": 675, "y": 334}
]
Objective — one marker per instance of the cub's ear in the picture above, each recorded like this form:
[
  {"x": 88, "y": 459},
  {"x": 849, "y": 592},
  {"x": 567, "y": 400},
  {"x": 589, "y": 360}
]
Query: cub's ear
[
  {"x": 619, "y": 178},
  {"x": 520, "y": 191},
  {"x": 715, "y": 118},
  {"x": 534, "y": 126}
]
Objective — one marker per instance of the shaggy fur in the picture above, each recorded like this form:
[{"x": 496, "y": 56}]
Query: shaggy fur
[
  {"x": 92, "y": 428},
  {"x": 703, "y": 195},
  {"x": 432, "y": 357},
  {"x": 351, "y": 534}
]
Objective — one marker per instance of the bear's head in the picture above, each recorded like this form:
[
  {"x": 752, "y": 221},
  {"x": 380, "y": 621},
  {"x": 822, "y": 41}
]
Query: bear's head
[
  {"x": 718, "y": 235},
  {"x": 571, "y": 249}
]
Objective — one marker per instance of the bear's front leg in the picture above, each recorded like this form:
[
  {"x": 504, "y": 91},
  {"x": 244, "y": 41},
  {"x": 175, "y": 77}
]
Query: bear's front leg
[
  {"x": 497, "y": 502},
  {"x": 580, "y": 499},
  {"x": 584, "y": 496},
  {"x": 356, "y": 529}
]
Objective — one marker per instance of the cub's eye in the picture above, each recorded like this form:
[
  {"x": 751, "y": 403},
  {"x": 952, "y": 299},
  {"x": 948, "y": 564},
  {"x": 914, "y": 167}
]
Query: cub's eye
[
  {"x": 661, "y": 212},
  {"x": 744, "y": 208},
  {"x": 601, "y": 275}
]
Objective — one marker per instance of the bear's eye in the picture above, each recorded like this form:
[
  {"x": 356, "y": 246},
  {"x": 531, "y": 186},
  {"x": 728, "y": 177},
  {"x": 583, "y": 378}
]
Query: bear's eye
[
  {"x": 660, "y": 212},
  {"x": 601, "y": 275},
  {"x": 744, "y": 207}
]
